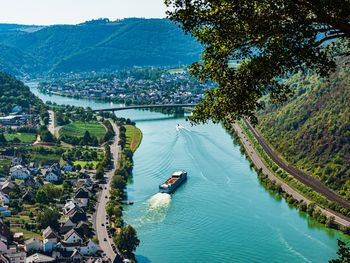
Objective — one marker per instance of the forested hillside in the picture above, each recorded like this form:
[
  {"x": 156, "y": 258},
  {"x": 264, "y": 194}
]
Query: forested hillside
[
  {"x": 95, "y": 45},
  {"x": 14, "y": 93},
  {"x": 312, "y": 130}
]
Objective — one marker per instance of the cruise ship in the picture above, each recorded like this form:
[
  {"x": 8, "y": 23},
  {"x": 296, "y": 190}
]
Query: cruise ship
[{"x": 170, "y": 185}]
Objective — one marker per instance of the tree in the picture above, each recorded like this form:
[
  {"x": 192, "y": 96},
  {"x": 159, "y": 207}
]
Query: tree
[
  {"x": 99, "y": 173},
  {"x": 118, "y": 182},
  {"x": 49, "y": 217},
  {"x": 127, "y": 240},
  {"x": 87, "y": 138},
  {"x": 343, "y": 253},
  {"x": 251, "y": 46},
  {"x": 41, "y": 197},
  {"x": 3, "y": 140}
]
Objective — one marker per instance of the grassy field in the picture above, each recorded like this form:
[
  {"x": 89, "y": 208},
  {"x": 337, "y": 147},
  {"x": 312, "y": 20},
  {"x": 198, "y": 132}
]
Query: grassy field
[
  {"x": 133, "y": 137},
  {"x": 83, "y": 163},
  {"x": 24, "y": 137},
  {"x": 77, "y": 129},
  {"x": 44, "y": 158},
  {"x": 27, "y": 234},
  {"x": 176, "y": 70}
]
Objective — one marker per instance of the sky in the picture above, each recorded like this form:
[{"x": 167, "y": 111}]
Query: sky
[{"x": 49, "y": 12}]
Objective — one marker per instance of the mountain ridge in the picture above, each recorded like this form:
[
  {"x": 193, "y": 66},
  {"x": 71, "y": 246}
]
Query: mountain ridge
[{"x": 111, "y": 44}]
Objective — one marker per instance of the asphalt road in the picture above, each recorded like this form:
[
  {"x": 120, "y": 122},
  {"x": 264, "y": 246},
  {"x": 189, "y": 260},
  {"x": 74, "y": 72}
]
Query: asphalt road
[
  {"x": 100, "y": 216},
  {"x": 253, "y": 155},
  {"x": 298, "y": 174}
]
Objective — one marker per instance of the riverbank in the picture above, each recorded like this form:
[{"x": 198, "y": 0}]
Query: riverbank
[
  {"x": 265, "y": 171},
  {"x": 123, "y": 236},
  {"x": 251, "y": 222}
]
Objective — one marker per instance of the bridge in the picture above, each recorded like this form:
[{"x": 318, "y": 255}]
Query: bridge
[{"x": 154, "y": 106}]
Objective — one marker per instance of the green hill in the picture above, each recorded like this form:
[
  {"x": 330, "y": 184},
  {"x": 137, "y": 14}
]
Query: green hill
[
  {"x": 98, "y": 45},
  {"x": 312, "y": 130},
  {"x": 14, "y": 93}
]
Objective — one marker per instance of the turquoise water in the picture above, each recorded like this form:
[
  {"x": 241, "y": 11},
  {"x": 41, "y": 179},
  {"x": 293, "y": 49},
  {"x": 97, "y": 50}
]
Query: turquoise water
[{"x": 222, "y": 213}]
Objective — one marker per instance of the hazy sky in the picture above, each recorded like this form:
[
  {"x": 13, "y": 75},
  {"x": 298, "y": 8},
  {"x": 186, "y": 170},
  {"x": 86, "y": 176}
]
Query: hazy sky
[{"x": 47, "y": 12}]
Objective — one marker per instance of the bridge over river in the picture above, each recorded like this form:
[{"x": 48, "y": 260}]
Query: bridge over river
[{"x": 154, "y": 106}]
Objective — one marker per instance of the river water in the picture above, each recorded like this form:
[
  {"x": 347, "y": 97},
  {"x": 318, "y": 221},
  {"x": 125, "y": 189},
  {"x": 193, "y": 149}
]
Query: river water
[{"x": 222, "y": 213}]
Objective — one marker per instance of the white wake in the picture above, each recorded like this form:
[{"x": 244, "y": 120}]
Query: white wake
[{"x": 159, "y": 200}]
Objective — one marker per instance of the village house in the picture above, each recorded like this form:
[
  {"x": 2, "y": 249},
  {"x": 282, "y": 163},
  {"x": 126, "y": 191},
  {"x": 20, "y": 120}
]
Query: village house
[
  {"x": 7, "y": 187},
  {"x": 39, "y": 258},
  {"x": 20, "y": 172},
  {"x": 33, "y": 244},
  {"x": 68, "y": 168},
  {"x": 53, "y": 174},
  {"x": 82, "y": 197},
  {"x": 4, "y": 199},
  {"x": 50, "y": 239}
]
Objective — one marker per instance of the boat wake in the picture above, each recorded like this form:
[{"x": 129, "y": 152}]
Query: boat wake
[
  {"x": 156, "y": 209},
  {"x": 180, "y": 127},
  {"x": 159, "y": 200}
]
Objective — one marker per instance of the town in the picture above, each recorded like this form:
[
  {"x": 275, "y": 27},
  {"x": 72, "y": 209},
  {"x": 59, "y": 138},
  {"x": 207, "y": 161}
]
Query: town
[
  {"x": 55, "y": 186},
  {"x": 132, "y": 87}
]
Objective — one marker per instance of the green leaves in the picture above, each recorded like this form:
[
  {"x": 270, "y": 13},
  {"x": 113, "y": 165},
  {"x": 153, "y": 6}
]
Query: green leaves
[{"x": 270, "y": 39}]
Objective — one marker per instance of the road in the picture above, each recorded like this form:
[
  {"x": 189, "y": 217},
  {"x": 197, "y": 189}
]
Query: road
[
  {"x": 253, "y": 155},
  {"x": 100, "y": 216},
  {"x": 298, "y": 174}
]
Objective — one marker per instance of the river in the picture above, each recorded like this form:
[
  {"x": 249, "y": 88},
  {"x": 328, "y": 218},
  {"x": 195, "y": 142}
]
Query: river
[{"x": 222, "y": 213}]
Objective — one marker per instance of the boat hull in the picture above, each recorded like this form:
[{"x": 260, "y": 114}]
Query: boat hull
[{"x": 169, "y": 189}]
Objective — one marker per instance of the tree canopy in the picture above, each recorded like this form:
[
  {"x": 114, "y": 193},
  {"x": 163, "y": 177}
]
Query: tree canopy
[
  {"x": 251, "y": 46},
  {"x": 127, "y": 240}
]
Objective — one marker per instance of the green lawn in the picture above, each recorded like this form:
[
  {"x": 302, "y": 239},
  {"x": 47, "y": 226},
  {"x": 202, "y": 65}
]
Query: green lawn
[
  {"x": 27, "y": 234},
  {"x": 43, "y": 158},
  {"x": 78, "y": 128},
  {"x": 24, "y": 137},
  {"x": 176, "y": 70},
  {"x": 83, "y": 163},
  {"x": 133, "y": 137}
]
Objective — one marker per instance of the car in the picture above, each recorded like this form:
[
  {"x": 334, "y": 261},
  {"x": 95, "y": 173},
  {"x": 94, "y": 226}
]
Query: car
[
  {"x": 106, "y": 196},
  {"x": 105, "y": 239},
  {"x": 105, "y": 188},
  {"x": 102, "y": 224}
]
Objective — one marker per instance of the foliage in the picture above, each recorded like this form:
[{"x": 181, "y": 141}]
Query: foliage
[
  {"x": 133, "y": 137},
  {"x": 49, "y": 217},
  {"x": 312, "y": 130},
  {"x": 270, "y": 39},
  {"x": 127, "y": 240},
  {"x": 82, "y": 133},
  {"x": 103, "y": 46},
  {"x": 14, "y": 93},
  {"x": 343, "y": 253}
]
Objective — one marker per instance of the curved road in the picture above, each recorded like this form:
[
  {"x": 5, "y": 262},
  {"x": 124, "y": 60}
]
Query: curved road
[
  {"x": 254, "y": 156},
  {"x": 298, "y": 174},
  {"x": 100, "y": 215}
]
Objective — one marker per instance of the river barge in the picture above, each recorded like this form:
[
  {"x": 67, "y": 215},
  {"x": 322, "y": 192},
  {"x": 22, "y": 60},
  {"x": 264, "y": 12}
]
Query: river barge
[{"x": 170, "y": 185}]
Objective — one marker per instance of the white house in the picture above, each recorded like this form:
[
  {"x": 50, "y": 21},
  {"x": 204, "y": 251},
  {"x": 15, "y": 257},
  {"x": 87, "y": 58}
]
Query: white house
[
  {"x": 39, "y": 258},
  {"x": 32, "y": 244},
  {"x": 89, "y": 248},
  {"x": 82, "y": 197},
  {"x": 20, "y": 172},
  {"x": 72, "y": 237},
  {"x": 4, "y": 199},
  {"x": 50, "y": 239}
]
